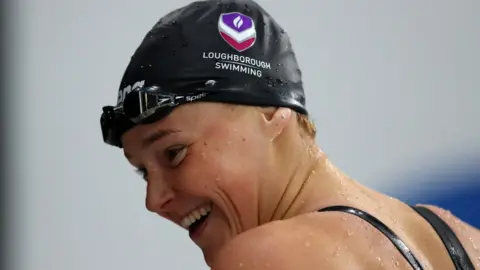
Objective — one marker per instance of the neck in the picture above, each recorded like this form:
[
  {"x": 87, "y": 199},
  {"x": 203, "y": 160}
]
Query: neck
[{"x": 312, "y": 185}]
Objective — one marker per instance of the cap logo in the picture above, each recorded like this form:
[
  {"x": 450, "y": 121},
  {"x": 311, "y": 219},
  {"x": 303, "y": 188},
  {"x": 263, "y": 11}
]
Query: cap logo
[{"x": 237, "y": 30}]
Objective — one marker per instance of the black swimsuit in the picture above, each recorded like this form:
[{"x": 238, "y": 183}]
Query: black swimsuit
[{"x": 457, "y": 253}]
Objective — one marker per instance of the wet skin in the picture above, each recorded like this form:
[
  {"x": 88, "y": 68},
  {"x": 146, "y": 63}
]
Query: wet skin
[
  {"x": 205, "y": 153},
  {"x": 265, "y": 183}
]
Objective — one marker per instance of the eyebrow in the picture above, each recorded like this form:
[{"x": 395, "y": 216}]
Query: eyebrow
[
  {"x": 153, "y": 137},
  {"x": 157, "y": 135}
]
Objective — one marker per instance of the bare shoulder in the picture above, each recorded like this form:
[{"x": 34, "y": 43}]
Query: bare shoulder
[
  {"x": 277, "y": 245},
  {"x": 312, "y": 241}
]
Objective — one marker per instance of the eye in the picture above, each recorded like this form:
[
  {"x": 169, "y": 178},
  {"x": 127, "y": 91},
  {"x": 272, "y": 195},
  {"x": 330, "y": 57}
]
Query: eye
[
  {"x": 142, "y": 172},
  {"x": 175, "y": 155}
]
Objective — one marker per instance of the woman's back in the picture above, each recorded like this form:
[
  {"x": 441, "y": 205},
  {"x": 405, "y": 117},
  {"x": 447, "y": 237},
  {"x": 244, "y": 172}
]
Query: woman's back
[{"x": 341, "y": 240}]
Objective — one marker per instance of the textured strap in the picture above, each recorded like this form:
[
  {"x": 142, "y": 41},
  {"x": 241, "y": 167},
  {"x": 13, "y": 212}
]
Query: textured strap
[
  {"x": 449, "y": 238},
  {"x": 397, "y": 242}
]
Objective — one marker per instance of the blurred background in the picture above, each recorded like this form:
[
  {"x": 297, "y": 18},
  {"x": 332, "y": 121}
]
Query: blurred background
[{"x": 393, "y": 86}]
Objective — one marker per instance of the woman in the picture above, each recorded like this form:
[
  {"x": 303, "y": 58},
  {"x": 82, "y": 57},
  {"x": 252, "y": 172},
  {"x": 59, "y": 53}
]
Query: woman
[{"x": 211, "y": 111}]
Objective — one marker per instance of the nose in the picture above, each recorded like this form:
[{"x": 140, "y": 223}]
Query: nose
[{"x": 159, "y": 194}]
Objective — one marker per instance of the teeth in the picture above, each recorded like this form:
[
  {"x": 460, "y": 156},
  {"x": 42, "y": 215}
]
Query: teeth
[{"x": 195, "y": 215}]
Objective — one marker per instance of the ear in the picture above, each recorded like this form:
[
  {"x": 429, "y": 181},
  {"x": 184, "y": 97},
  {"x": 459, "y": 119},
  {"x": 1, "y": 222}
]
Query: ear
[{"x": 276, "y": 120}]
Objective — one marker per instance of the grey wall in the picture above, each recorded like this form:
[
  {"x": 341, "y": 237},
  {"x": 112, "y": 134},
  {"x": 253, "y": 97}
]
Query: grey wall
[{"x": 392, "y": 85}]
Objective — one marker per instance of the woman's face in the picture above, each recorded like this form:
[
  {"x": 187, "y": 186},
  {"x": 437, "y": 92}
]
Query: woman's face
[{"x": 203, "y": 165}]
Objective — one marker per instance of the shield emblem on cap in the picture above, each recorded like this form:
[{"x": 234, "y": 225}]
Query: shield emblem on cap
[{"x": 238, "y": 30}]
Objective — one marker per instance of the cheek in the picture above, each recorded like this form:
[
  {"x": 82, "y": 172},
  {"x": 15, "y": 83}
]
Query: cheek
[
  {"x": 228, "y": 162},
  {"x": 236, "y": 163}
]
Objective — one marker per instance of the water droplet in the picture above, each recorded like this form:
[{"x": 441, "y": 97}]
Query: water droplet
[
  {"x": 210, "y": 83},
  {"x": 344, "y": 218},
  {"x": 174, "y": 22},
  {"x": 240, "y": 265},
  {"x": 473, "y": 244},
  {"x": 337, "y": 252},
  {"x": 276, "y": 69},
  {"x": 349, "y": 233}
]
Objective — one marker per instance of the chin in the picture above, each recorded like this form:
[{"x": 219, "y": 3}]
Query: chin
[
  {"x": 210, "y": 254},
  {"x": 219, "y": 233},
  {"x": 209, "y": 258}
]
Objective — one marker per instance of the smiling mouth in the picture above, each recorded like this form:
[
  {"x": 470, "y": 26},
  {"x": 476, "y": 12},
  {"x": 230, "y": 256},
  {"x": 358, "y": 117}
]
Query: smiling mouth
[{"x": 194, "y": 221}]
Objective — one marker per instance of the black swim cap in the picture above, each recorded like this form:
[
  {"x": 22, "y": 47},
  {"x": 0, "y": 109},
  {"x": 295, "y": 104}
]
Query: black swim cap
[{"x": 232, "y": 48}]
